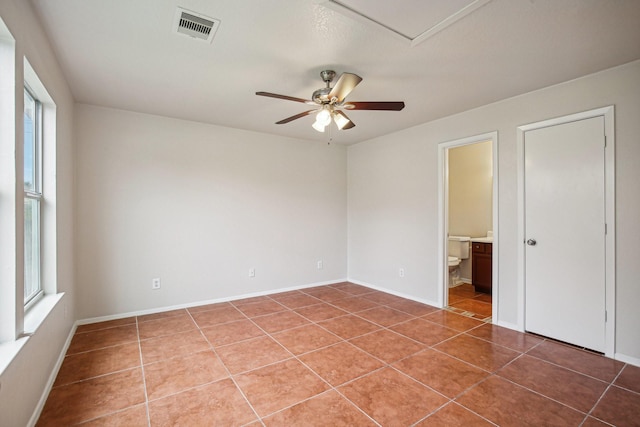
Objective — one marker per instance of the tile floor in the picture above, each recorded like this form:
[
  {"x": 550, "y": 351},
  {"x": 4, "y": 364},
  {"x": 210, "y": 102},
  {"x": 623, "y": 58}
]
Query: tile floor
[
  {"x": 463, "y": 299},
  {"x": 338, "y": 355}
]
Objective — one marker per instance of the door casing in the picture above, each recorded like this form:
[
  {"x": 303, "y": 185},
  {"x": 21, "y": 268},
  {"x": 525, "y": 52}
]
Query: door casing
[
  {"x": 609, "y": 188},
  {"x": 443, "y": 217}
]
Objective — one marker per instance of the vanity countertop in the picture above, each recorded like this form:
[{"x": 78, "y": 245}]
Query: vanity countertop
[{"x": 482, "y": 239}]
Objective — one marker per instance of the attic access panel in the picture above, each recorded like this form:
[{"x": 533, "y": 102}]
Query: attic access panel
[{"x": 412, "y": 20}]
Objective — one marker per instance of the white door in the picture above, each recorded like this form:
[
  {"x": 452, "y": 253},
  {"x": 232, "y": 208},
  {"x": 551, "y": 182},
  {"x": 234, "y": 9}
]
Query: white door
[{"x": 565, "y": 232}]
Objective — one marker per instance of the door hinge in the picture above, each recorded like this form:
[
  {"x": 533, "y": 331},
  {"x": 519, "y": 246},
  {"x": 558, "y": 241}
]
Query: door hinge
[
  {"x": 605, "y": 315},
  {"x": 605, "y": 141},
  {"x": 605, "y": 228}
]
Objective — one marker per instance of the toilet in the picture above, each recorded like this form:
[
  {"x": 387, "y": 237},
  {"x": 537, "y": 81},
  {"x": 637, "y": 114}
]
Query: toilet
[{"x": 459, "y": 247}]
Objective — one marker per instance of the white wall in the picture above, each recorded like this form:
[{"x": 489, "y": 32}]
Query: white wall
[
  {"x": 470, "y": 190},
  {"x": 25, "y": 379},
  {"x": 470, "y": 194},
  {"x": 393, "y": 194},
  {"x": 198, "y": 206}
]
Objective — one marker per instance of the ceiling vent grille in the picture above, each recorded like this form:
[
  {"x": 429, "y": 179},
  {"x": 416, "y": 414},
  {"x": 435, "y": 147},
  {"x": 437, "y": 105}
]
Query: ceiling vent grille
[{"x": 195, "y": 25}]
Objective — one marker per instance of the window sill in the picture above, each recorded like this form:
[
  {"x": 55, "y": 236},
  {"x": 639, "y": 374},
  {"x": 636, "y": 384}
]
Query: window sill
[{"x": 32, "y": 321}]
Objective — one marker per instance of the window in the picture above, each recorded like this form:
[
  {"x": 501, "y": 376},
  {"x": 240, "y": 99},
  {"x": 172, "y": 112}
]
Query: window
[{"x": 32, "y": 196}]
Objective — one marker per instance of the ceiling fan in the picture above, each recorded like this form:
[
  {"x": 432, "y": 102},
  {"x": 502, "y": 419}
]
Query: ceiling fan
[{"x": 329, "y": 101}]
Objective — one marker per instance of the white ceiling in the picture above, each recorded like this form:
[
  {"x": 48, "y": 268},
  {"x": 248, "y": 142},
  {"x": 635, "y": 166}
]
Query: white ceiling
[{"x": 123, "y": 54}]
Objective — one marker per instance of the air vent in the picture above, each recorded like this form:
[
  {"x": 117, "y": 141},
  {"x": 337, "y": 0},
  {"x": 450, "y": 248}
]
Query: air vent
[{"x": 195, "y": 25}]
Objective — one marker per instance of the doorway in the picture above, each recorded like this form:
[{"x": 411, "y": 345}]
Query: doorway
[
  {"x": 566, "y": 227},
  {"x": 486, "y": 235}
]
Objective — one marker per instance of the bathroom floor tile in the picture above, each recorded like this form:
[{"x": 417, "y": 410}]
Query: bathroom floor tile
[
  {"x": 474, "y": 306},
  {"x": 391, "y": 398},
  {"x": 340, "y": 363},
  {"x": 81, "y": 366},
  {"x": 218, "y": 403},
  {"x": 483, "y": 354},
  {"x": 507, "y": 404},
  {"x": 454, "y": 415},
  {"x": 618, "y": 407},
  {"x": 85, "y": 400},
  {"x": 387, "y": 345},
  {"x": 349, "y": 326},
  {"x": 335, "y": 410},
  {"x": 320, "y": 312},
  {"x": 232, "y": 332},
  {"x": 441, "y": 372},
  {"x": 251, "y": 354},
  {"x": 278, "y": 386},
  {"x": 579, "y": 360},
  {"x": 426, "y": 332},
  {"x": 174, "y": 375},
  {"x": 571, "y": 388},
  {"x": 484, "y": 298},
  {"x": 305, "y": 339}
]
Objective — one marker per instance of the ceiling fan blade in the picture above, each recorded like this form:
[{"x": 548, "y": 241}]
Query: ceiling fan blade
[
  {"x": 348, "y": 125},
  {"x": 344, "y": 86},
  {"x": 297, "y": 116},
  {"x": 285, "y": 97},
  {"x": 386, "y": 106}
]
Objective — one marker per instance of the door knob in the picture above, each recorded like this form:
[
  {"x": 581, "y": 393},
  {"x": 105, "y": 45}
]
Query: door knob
[{"x": 531, "y": 242}]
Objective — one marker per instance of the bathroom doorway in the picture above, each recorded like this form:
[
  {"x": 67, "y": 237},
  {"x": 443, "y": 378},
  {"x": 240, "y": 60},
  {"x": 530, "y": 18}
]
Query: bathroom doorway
[{"x": 468, "y": 226}]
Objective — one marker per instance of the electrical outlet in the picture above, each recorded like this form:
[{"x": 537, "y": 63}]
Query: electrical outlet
[
  {"x": 320, "y": 265},
  {"x": 155, "y": 283},
  {"x": 401, "y": 272},
  {"x": 252, "y": 272}
]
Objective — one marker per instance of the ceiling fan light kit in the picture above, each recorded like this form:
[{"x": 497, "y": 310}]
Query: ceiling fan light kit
[{"x": 331, "y": 100}]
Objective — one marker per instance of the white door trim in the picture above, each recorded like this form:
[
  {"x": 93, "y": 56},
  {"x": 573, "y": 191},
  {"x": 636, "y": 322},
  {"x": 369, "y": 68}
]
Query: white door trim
[
  {"x": 609, "y": 189},
  {"x": 443, "y": 217}
]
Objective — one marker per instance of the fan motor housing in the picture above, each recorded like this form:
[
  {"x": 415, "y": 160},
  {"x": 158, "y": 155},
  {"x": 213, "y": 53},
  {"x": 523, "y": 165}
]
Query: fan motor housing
[{"x": 321, "y": 96}]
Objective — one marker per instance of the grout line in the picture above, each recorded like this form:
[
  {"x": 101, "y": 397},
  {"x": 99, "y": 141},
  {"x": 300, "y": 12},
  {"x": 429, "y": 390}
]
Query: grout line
[
  {"x": 611, "y": 384},
  {"x": 230, "y": 376},
  {"x": 348, "y": 312},
  {"x": 144, "y": 380}
]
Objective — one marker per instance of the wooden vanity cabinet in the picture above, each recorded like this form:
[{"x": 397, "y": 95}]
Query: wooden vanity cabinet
[{"x": 481, "y": 266}]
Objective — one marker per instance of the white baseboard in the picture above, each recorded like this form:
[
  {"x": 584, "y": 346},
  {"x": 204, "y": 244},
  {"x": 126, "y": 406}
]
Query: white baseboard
[
  {"x": 52, "y": 378},
  {"x": 627, "y": 359},
  {"x": 398, "y": 294},
  {"x": 205, "y": 302},
  {"x": 509, "y": 325}
]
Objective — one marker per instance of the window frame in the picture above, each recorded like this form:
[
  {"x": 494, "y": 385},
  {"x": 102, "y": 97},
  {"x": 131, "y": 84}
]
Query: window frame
[{"x": 36, "y": 195}]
